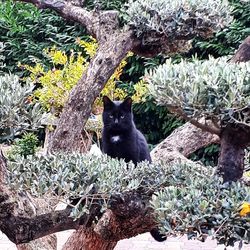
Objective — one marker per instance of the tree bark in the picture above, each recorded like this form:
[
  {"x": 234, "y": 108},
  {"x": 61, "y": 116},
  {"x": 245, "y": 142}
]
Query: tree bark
[
  {"x": 3, "y": 169},
  {"x": 88, "y": 240},
  {"x": 243, "y": 53},
  {"x": 86, "y": 141},
  {"x": 129, "y": 210},
  {"x": 48, "y": 242},
  {"x": 234, "y": 140},
  {"x": 181, "y": 143},
  {"x": 68, "y": 133}
]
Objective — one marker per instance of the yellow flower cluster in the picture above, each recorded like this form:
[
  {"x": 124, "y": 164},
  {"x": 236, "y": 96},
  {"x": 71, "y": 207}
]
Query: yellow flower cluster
[
  {"x": 141, "y": 90},
  {"x": 89, "y": 47},
  {"x": 57, "y": 82},
  {"x": 67, "y": 69}
]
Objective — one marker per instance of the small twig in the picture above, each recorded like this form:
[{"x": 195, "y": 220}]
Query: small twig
[{"x": 222, "y": 224}]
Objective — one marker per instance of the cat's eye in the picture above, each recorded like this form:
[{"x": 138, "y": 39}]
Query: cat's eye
[
  {"x": 111, "y": 116},
  {"x": 122, "y": 116}
]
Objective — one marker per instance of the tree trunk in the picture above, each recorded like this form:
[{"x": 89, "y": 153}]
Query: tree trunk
[
  {"x": 234, "y": 140},
  {"x": 48, "y": 242},
  {"x": 130, "y": 214},
  {"x": 68, "y": 134},
  {"x": 85, "y": 143},
  {"x": 243, "y": 53},
  {"x": 181, "y": 143},
  {"x": 88, "y": 240}
]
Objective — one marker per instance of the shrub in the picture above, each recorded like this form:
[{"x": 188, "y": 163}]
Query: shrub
[
  {"x": 168, "y": 22},
  {"x": 212, "y": 89},
  {"x": 188, "y": 199},
  {"x": 25, "y": 146},
  {"x": 225, "y": 42},
  {"x": 18, "y": 112},
  {"x": 57, "y": 82}
]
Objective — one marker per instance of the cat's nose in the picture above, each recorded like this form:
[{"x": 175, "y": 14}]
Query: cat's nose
[{"x": 116, "y": 120}]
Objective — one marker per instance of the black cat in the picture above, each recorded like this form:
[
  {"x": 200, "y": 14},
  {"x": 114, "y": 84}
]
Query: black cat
[
  {"x": 122, "y": 140},
  {"x": 120, "y": 137}
]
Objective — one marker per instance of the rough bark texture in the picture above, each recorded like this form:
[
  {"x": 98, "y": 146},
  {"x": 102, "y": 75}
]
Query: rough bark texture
[
  {"x": 3, "y": 169},
  {"x": 181, "y": 143},
  {"x": 20, "y": 222},
  {"x": 48, "y": 242},
  {"x": 127, "y": 211},
  {"x": 86, "y": 141},
  {"x": 243, "y": 53},
  {"x": 234, "y": 140},
  {"x": 88, "y": 240},
  {"x": 67, "y": 135}
]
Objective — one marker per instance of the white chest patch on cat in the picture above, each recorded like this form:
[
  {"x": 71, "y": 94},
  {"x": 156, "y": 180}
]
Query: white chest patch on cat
[{"x": 115, "y": 139}]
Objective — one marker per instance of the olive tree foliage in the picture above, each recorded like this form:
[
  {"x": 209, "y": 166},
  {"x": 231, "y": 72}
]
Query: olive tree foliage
[
  {"x": 214, "y": 96},
  {"x": 114, "y": 195},
  {"x": 17, "y": 113},
  {"x": 158, "y": 21},
  {"x": 214, "y": 89},
  {"x": 188, "y": 197},
  {"x": 171, "y": 24}
]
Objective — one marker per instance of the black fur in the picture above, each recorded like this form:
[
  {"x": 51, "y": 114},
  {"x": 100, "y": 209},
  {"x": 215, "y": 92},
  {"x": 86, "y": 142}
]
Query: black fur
[
  {"x": 118, "y": 122},
  {"x": 121, "y": 139}
]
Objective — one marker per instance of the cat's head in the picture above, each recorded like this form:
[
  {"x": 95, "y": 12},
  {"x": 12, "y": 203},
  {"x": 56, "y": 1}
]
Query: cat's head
[{"x": 117, "y": 115}]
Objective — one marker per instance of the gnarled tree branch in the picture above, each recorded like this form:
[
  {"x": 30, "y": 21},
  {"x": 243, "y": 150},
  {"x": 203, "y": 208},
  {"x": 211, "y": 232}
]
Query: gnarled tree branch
[
  {"x": 181, "y": 143},
  {"x": 129, "y": 210},
  {"x": 202, "y": 123},
  {"x": 98, "y": 24},
  {"x": 67, "y": 136}
]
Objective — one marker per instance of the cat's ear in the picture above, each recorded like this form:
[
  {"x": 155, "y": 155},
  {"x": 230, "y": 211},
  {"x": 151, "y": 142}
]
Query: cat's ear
[
  {"x": 107, "y": 103},
  {"x": 127, "y": 104}
]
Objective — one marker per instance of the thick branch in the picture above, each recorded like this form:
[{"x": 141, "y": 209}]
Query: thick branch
[
  {"x": 98, "y": 24},
  {"x": 129, "y": 214},
  {"x": 21, "y": 224},
  {"x": 243, "y": 53},
  {"x": 128, "y": 210},
  {"x": 202, "y": 124},
  {"x": 67, "y": 135},
  {"x": 182, "y": 142},
  {"x": 234, "y": 140},
  {"x": 22, "y": 229}
]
